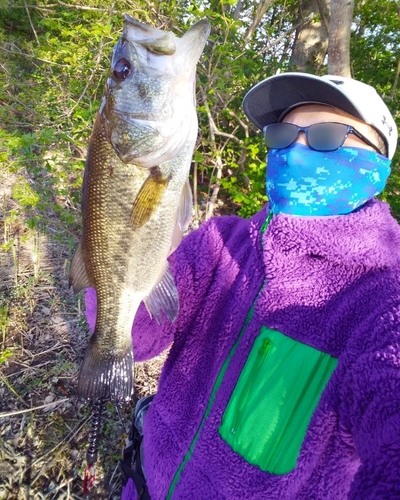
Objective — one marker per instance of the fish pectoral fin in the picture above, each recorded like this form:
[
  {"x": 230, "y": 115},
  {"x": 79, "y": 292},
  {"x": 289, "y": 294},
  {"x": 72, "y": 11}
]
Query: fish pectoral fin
[
  {"x": 185, "y": 207},
  {"x": 78, "y": 277},
  {"x": 163, "y": 297},
  {"x": 148, "y": 198}
]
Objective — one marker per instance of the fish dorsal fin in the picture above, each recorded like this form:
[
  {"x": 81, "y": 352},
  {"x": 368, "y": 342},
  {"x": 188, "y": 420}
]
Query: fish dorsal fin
[
  {"x": 164, "y": 46},
  {"x": 148, "y": 198},
  {"x": 185, "y": 206},
  {"x": 78, "y": 277},
  {"x": 163, "y": 297},
  {"x": 192, "y": 42}
]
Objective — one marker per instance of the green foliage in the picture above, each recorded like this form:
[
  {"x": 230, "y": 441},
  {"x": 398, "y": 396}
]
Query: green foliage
[
  {"x": 55, "y": 62},
  {"x": 4, "y": 355},
  {"x": 375, "y": 60}
]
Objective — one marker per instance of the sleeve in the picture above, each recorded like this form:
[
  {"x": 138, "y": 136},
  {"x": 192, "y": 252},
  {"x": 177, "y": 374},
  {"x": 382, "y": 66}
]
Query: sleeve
[
  {"x": 372, "y": 396},
  {"x": 192, "y": 265}
]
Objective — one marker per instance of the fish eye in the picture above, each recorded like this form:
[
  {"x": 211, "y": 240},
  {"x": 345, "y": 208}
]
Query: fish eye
[{"x": 122, "y": 69}]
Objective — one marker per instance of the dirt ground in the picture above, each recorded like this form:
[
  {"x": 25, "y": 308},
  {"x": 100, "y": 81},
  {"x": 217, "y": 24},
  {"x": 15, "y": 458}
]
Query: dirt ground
[{"x": 43, "y": 334}]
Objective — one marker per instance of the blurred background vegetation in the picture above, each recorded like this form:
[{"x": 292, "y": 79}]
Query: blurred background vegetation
[{"x": 54, "y": 60}]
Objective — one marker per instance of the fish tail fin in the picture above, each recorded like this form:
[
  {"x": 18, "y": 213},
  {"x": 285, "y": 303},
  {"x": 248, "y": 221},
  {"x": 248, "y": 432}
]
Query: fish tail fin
[
  {"x": 163, "y": 297},
  {"x": 109, "y": 377}
]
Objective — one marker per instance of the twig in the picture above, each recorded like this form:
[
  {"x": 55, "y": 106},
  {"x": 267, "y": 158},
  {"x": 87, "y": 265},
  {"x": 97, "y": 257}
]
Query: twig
[
  {"x": 288, "y": 32},
  {"x": 19, "y": 53},
  {"x": 30, "y": 22},
  {"x": 241, "y": 122},
  {"x": 114, "y": 472},
  {"x": 217, "y": 185},
  {"x": 36, "y": 7},
  {"x": 398, "y": 8},
  {"x": 261, "y": 10},
  {"x": 11, "y": 388},
  {"x": 277, "y": 40},
  {"x": 63, "y": 444},
  {"x": 19, "y": 412},
  {"x": 396, "y": 80},
  {"x": 225, "y": 134},
  {"x": 196, "y": 210},
  {"x": 214, "y": 130},
  {"x": 60, "y": 486},
  {"x": 218, "y": 163},
  {"x": 51, "y": 349},
  {"x": 85, "y": 7},
  {"x": 29, "y": 367}
]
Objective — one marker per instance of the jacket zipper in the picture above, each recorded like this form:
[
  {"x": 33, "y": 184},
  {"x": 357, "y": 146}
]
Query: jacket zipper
[{"x": 221, "y": 374}]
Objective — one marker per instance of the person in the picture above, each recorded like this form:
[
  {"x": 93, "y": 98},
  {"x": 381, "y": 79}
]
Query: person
[{"x": 283, "y": 376}]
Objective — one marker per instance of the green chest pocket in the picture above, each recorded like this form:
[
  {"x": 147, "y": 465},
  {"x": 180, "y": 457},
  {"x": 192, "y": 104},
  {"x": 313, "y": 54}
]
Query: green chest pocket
[{"x": 271, "y": 406}]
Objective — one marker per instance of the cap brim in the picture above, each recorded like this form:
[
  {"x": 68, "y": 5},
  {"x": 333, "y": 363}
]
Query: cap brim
[{"x": 267, "y": 101}]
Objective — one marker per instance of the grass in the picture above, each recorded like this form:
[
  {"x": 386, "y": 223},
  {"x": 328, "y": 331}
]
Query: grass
[{"x": 43, "y": 429}]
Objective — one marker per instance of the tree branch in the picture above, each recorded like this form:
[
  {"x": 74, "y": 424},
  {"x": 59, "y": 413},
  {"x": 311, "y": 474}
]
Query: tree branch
[
  {"x": 396, "y": 80},
  {"x": 398, "y": 8},
  {"x": 261, "y": 10},
  {"x": 19, "y": 53},
  {"x": 30, "y": 22},
  {"x": 323, "y": 7},
  {"x": 85, "y": 7},
  {"x": 218, "y": 160},
  {"x": 286, "y": 33},
  {"x": 36, "y": 7},
  {"x": 241, "y": 122}
]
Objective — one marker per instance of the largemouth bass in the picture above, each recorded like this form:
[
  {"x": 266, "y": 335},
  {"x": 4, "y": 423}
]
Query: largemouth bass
[{"x": 135, "y": 192}]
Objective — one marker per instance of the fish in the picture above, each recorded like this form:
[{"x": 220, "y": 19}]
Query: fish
[{"x": 135, "y": 194}]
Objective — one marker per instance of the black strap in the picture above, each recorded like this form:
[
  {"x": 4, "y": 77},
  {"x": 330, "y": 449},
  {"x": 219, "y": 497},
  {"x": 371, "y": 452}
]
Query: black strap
[
  {"x": 131, "y": 464},
  {"x": 138, "y": 480}
]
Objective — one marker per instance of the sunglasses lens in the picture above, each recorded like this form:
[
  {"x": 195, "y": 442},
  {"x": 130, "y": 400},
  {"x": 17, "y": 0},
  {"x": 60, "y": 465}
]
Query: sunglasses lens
[
  {"x": 326, "y": 136},
  {"x": 280, "y": 135}
]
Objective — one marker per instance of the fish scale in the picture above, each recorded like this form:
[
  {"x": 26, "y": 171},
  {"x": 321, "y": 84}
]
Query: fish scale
[{"x": 135, "y": 193}]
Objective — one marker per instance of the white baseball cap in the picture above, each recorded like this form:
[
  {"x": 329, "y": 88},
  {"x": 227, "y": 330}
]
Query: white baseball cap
[{"x": 268, "y": 101}]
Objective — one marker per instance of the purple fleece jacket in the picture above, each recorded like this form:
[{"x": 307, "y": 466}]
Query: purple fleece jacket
[{"x": 331, "y": 283}]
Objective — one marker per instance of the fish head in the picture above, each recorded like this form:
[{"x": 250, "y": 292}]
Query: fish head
[{"x": 149, "y": 103}]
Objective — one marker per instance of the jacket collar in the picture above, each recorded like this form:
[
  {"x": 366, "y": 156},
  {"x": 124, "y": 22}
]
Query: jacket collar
[{"x": 368, "y": 237}]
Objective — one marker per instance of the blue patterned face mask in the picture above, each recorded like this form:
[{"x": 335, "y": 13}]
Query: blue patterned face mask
[{"x": 301, "y": 181}]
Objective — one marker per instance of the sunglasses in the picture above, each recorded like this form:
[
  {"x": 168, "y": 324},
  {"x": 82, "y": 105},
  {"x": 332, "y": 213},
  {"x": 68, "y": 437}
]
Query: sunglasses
[{"x": 327, "y": 136}]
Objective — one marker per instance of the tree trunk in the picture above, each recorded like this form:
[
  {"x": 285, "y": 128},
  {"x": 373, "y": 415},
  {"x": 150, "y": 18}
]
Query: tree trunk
[
  {"x": 238, "y": 10},
  {"x": 339, "y": 37},
  {"x": 311, "y": 39}
]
